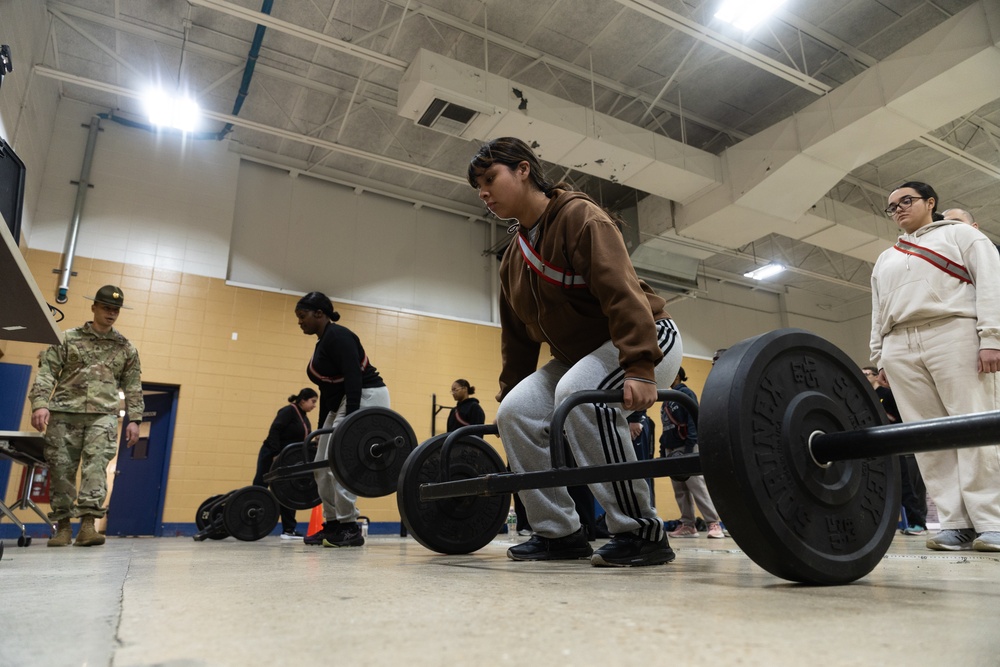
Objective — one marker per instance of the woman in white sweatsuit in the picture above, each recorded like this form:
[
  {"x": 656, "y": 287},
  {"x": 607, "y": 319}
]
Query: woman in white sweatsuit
[{"x": 936, "y": 340}]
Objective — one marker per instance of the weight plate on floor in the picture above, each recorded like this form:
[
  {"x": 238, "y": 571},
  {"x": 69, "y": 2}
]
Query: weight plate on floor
[
  {"x": 210, "y": 514},
  {"x": 452, "y": 525},
  {"x": 250, "y": 513},
  {"x": 797, "y": 520},
  {"x": 299, "y": 492},
  {"x": 363, "y": 472}
]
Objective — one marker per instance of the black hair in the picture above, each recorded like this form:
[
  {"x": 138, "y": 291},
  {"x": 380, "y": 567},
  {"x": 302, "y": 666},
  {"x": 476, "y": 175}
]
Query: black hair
[
  {"x": 304, "y": 395},
  {"x": 926, "y": 192},
  {"x": 510, "y": 152},
  {"x": 468, "y": 387},
  {"x": 681, "y": 375},
  {"x": 318, "y": 301}
]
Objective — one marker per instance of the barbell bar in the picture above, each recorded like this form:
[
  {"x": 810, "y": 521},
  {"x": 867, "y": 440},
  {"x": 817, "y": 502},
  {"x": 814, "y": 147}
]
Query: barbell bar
[{"x": 795, "y": 451}]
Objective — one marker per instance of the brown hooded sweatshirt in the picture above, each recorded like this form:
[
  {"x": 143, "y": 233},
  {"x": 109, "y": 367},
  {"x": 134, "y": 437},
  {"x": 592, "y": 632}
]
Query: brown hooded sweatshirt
[{"x": 589, "y": 295}]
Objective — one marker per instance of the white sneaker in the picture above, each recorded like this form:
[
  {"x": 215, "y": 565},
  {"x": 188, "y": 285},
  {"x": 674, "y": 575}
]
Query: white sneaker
[
  {"x": 988, "y": 541},
  {"x": 294, "y": 535},
  {"x": 952, "y": 539}
]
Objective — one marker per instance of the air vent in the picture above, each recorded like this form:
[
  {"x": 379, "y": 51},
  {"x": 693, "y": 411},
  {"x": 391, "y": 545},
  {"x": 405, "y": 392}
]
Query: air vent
[{"x": 447, "y": 117}]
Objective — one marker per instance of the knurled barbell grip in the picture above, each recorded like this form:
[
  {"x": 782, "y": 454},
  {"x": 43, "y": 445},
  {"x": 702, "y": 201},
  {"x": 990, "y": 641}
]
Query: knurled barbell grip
[{"x": 954, "y": 432}]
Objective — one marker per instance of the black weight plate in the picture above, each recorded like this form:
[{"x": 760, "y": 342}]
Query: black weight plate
[
  {"x": 299, "y": 492},
  {"x": 351, "y": 459},
  {"x": 210, "y": 514},
  {"x": 453, "y": 525},
  {"x": 203, "y": 517},
  {"x": 795, "y": 519},
  {"x": 250, "y": 513}
]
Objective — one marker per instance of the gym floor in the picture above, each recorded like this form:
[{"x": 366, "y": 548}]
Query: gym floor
[{"x": 173, "y": 602}]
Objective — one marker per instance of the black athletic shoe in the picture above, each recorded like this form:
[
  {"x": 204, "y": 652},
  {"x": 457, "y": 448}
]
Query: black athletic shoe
[
  {"x": 316, "y": 539},
  {"x": 630, "y": 550},
  {"x": 345, "y": 535},
  {"x": 572, "y": 547}
]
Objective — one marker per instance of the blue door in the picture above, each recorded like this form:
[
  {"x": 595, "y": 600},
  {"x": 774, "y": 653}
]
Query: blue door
[{"x": 136, "y": 506}]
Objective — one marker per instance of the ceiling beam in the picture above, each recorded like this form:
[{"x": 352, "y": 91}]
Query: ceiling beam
[{"x": 48, "y": 72}]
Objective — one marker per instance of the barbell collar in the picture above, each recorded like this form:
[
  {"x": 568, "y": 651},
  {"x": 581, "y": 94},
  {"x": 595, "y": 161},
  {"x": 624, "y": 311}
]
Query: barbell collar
[
  {"x": 557, "y": 448},
  {"x": 956, "y": 432},
  {"x": 380, "y": 448}
]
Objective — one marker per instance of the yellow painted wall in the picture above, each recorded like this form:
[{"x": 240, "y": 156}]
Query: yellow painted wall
[{"x": 183, "y": 326}]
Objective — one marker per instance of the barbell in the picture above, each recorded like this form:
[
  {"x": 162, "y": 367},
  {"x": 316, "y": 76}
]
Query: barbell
[
  {"x": 367, "y": 451},
  {"x": 794, "y": 448}
]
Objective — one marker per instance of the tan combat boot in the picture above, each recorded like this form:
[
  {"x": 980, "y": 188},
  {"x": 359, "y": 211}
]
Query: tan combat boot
[
  {"x": 88, "y": 535},
  {"x": 63, "y": 536}
]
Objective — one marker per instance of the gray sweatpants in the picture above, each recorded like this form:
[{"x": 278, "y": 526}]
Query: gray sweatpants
[
  {"x": 338, "y": 502},
  {"x": 597, "y": 434}
]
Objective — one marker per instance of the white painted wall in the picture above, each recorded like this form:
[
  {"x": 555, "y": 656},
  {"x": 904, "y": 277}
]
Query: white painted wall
[
  {"x": 27, "y": 103},
  {"x": 301, "y": 233},
  {"x": 157, "y": 200}
]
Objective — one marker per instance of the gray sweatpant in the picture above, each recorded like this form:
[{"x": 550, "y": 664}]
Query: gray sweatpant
[
  {"x": 338, "y": 502},
  {"x": 597, "y": 434}
]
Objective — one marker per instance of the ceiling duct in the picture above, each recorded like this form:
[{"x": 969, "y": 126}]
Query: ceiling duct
[{"x": 561, "y": 132}]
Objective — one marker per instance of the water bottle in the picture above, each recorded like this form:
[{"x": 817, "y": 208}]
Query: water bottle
[{"x": 511, "y": 524}]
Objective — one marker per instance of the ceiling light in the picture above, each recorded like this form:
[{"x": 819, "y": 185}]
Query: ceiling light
[
  {"x": 181, "y": 113},
  {"x": 764, "y": 272},
  {"x": 746, "y": 14}
]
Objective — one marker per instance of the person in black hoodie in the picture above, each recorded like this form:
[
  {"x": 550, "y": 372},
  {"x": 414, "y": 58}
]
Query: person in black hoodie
[
  {"x": 467, "y": 410},
  {"x": 347, "y": 382},
  {"x": 290, "y": 425}
]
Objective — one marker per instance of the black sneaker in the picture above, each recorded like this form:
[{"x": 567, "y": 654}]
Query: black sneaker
[
  {"x": 630, "y": 550},
  {"x": 316, "y": 539},
  {"x": 572, "y": 547},
  {"x": 345, "y": 535}
]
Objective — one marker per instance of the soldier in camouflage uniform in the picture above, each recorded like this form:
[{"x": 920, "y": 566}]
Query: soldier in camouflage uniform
[{"x": 75, "y": 402}]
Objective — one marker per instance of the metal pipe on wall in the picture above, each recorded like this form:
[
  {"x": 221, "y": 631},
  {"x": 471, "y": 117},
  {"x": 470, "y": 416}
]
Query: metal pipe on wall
[{"x": 81, "y": 195}]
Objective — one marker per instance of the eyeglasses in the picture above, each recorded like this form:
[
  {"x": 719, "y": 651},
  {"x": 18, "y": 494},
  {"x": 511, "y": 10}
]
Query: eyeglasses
[{"x": 904, "y": 202}]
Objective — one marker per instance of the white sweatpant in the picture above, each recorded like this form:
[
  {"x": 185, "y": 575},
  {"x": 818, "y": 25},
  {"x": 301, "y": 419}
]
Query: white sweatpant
[
  {"x": 338, "y": 502},
  {"x": 932, "y": 373},
  {"x": 690, "y": 491},
  {"x": 597, "y": 434}
]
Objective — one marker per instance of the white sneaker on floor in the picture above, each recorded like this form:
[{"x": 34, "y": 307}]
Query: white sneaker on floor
[
  {"x": 294, "y": 535},
  {"x": 952, "y": 539},
  {"x": 988, "y": 541}
]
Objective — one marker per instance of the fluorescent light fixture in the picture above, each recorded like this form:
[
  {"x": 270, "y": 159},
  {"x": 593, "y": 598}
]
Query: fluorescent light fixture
[
  {"x": 747, "y": 14},
  {"x": 181, "y": 113},
  {"x": 764, "y": 272}
]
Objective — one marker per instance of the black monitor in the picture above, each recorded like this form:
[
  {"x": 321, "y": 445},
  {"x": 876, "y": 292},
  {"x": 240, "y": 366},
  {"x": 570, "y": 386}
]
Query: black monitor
[{"x": 12, "y": 175}]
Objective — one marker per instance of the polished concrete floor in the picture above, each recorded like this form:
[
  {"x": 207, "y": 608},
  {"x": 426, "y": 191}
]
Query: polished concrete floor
[{"x": 173, "y": 602}]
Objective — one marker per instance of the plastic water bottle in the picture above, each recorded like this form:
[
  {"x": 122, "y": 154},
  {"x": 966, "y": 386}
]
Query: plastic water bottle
[{"x": 512, "y": 525}]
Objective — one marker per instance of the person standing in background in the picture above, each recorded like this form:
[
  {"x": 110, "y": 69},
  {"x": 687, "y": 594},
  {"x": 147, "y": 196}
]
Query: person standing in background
[
  {"x": 914, "y": 497},
  {"x": 75, "y": 402},
  {"x": 935, "y": 339},
  {"x": 467, "y": 410},
  {"x": 290, "y": 425}
]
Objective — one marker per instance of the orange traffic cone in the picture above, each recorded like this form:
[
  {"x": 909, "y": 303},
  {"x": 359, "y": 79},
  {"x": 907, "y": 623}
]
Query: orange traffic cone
[{"x": 316, "y": 520}]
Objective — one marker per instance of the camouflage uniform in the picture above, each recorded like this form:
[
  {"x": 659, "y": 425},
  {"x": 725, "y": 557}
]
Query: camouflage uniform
[{"x": 78, "y": 382}]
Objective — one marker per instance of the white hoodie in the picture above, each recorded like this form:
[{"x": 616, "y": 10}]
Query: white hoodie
[{"x": 909, "y": 291}]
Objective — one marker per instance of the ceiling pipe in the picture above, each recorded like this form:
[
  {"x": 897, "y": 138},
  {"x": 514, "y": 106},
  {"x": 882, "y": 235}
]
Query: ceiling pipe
[
  {"x": 66, "y": 270},
  {"x": 258, "y": 38}
]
